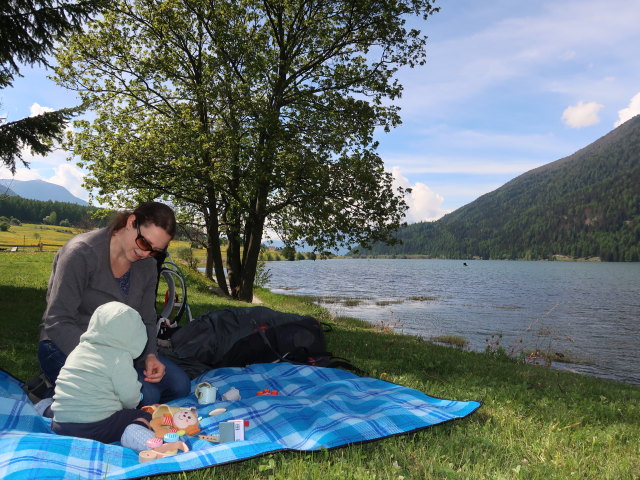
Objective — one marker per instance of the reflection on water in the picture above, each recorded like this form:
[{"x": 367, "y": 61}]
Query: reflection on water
[{"x": 585, "y": 312}]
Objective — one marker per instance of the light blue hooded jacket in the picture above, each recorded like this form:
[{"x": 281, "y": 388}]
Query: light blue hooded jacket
[{"x": 98, "y": 378}]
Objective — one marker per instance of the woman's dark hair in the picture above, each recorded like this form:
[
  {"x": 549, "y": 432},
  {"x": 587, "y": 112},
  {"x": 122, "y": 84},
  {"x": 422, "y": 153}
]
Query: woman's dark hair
[{"x": 154, "y": 213}]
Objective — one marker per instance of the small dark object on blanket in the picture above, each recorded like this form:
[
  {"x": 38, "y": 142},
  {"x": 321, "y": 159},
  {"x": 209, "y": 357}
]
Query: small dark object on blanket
[
  {"x": 36, "y": 387},
  {"x": 237, "y": 337}
]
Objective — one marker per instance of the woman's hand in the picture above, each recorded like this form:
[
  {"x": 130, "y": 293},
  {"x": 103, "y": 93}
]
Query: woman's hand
[{"x": 154, "y": 369}]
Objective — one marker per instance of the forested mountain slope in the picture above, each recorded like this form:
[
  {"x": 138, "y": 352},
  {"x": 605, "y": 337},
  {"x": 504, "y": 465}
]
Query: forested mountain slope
[
  {"x": 583, "y": 205},
  {"x": 34, "y": 211}
]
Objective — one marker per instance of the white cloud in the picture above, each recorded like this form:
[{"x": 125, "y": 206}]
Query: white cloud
[
  {"x": 70, "y": 178},
  {"x": 21, "y": 174},
  {"x": 629, "y": 112},
  {"x": 582, "y": 114},
  {"x": 424, "y": 204},
  {"x": 37, "y": 109},
  {"x": 65, "y": 175}
]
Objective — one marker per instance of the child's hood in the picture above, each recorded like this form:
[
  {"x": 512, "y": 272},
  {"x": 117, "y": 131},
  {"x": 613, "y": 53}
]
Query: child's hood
[{"x": 117, "y": 325}]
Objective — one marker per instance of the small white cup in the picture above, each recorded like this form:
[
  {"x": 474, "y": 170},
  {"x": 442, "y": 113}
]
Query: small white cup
[{"x": 206, "y": 393}]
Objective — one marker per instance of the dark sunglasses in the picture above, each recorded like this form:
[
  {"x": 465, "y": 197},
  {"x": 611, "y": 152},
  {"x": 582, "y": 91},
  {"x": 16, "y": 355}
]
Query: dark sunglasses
[{"x": 144, "y": 245}]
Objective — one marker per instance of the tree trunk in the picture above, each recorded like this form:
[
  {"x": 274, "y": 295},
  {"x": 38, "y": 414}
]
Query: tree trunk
[
  {"x": 234, "y": 264},
  {"x": 250, "y": 264},
  {"x": 214, "y": 255},
  {"x": 254, "y": 228}
]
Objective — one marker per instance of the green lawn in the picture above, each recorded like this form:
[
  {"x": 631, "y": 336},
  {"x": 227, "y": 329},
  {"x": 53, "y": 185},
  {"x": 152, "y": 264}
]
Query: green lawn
[{"x": 535, "y": 423}]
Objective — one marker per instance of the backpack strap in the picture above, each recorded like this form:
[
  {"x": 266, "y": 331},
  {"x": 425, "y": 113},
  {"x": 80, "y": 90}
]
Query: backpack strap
[
  {"x": 326, "y": 327},
  {"x": 339, "y": 362},
  {"x": 262, "y": 332}
]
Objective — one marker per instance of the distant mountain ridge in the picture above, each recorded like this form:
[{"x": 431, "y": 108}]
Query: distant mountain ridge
[
  {"x": 38, "y": 190},
  {"x": 583, "y": 205}
]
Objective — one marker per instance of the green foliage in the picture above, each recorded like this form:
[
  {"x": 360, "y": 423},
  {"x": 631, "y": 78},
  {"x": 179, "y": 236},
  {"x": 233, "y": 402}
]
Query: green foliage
[
  {"x": 585, "y": 205},
  {"x": 288, "y": 253},
  {"x": 186, "y": 254},
  {"x": 247, "y": 115},
  {"x": 29, "y": 30},
  {"x": 51, "y": 219},
  {"x": 263, "y": 275},
  {"x": 39, "y": 133}
]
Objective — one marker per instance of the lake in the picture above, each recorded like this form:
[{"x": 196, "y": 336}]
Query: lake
[{"x": 588, "y": 312}]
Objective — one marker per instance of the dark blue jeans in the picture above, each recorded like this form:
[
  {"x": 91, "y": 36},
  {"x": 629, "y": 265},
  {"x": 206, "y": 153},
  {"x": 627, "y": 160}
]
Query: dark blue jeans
[
  {"x": 51, "y": 361},
  {"x": 174, "y": 384}
]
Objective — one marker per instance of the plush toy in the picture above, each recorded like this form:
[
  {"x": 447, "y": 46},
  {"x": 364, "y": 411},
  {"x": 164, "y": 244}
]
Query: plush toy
[{"x": 168, "y": 419}]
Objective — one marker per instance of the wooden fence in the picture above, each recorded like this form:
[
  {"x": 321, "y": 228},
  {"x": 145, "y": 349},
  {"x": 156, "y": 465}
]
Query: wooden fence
[{"x": 38, "y": 247}]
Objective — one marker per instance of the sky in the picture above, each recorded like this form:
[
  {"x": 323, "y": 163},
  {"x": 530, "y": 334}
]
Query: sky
[{"x": 508, "y": 86}]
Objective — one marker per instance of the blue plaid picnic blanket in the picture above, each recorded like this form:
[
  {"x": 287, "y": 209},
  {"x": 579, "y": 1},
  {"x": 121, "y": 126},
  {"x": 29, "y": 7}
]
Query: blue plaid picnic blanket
[{"x": 315, "y": 408}]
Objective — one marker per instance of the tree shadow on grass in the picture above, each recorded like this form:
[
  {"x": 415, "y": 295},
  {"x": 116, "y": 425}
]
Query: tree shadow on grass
[{"x": 22, "y": 309}]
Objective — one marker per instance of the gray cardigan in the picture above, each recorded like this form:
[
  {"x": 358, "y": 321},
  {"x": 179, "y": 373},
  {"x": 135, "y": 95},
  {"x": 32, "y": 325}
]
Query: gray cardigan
[{"x": 81, "y": 280}]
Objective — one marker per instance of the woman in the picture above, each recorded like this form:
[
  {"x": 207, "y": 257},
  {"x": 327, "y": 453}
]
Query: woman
[{"x": 112, "y": 264}]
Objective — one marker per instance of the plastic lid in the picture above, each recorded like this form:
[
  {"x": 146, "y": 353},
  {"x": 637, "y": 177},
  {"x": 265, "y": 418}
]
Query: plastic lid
[{"x": 154, "y": 442}]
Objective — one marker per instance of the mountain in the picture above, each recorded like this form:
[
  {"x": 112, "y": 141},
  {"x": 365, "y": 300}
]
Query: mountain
[
  {"x": 38, "y": 190},
  {"x": 583, "y": 205},
  {"x": 5, "y": 190}
]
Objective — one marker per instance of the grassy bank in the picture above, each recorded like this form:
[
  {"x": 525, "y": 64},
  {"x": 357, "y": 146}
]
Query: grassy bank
[{"x": 535, "y": 423}]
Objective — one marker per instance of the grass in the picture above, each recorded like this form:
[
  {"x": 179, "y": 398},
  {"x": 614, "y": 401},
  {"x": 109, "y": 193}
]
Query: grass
[
  {"x": 27, "y": 236},
  {"x": 453, "y": 340},
  {"x": 535, "y": 422}
]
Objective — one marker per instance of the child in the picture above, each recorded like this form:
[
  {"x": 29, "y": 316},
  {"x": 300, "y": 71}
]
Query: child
[{"x": 98, "y": 389}]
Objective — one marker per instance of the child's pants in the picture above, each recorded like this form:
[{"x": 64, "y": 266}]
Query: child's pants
[{"x": 106, "y": 431}]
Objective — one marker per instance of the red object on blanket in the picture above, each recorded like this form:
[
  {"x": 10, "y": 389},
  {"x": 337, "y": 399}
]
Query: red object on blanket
[{"x": 267, "y": 392}]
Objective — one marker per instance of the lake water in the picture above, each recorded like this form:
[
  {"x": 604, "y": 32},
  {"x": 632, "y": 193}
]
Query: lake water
[{"x": 588, "y": 312}]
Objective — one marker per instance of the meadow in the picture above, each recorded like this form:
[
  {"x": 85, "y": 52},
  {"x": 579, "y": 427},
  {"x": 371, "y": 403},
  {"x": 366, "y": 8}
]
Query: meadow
[
  {"x": 535, "y": 423},
  {"x": 27, "y": 237}
]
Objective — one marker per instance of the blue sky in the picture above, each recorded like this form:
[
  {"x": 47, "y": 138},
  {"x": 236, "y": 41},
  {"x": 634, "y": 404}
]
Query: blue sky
[{"x": 508, "y": 86}]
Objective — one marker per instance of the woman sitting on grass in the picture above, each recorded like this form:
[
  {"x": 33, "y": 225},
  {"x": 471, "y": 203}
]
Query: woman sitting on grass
[{"x": 112, "y": 264}]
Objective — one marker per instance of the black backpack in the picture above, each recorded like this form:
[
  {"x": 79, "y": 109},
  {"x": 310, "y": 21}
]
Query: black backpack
[{"x": 236, "y": 337}]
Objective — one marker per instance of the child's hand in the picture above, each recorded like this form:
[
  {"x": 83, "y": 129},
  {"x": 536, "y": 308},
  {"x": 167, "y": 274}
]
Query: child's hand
[{"x": 154, "y": 369}]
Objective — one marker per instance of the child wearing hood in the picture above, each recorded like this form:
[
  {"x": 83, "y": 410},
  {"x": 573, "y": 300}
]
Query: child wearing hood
[{"x": 98, "y": 389}]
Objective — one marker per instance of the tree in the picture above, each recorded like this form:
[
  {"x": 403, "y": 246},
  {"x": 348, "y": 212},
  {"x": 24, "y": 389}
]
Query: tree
[
  {"x": 289, "y": 253},
  {"x": 247, "y": 115},
  {"x": 29, "y": 30},
  {"x": 51, "y": 219}
]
